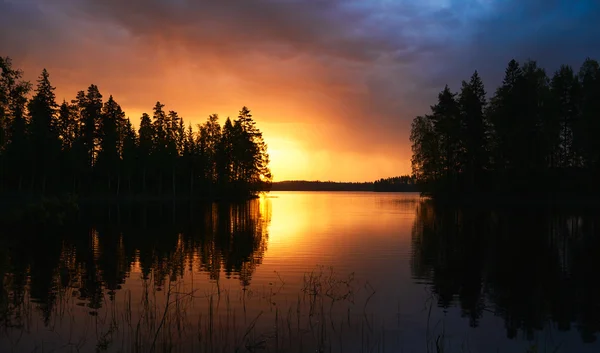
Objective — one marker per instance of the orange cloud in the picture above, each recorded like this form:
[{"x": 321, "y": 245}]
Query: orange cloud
[
  {"x": 334, "y": 84},
  {"x": 311, "y": 83}
]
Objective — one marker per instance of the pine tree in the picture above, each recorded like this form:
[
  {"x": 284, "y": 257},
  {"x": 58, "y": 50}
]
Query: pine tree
[
  {"x": 130, "y": 153},
  {"x": 503, "y": 115},
  {"x": 13, "y": 93},
  {"x": 192, "y": 160},
  {"x": 565, "y": 92},
  {"x": 587, "y": 131},
  {"x": 67, "y": 125},
  {"x": 445, "y": 119},
  {"x": 79, "y": 158},
  {"x": 14, "y": 151},
  {"x": 172, "y": 153},
  {"x": 534, "y": 130},
  {"x": 250, "y": 151},
  {"x": 160, "y": 126},
  {"x": 208, "y": 142},
  {"x": 146, "y": 146},
  {"x": 226, "y": 160},
  {"x": 426, "y": 161},
  {"x": 109, "y": 156},
  {"x": 91, "y": 114},
  {"x": 43, "y": 130},
  {"x": 473, "y": 131},
  {"x": 87, "y": 146},
  {"x": 161, "y": 141}
]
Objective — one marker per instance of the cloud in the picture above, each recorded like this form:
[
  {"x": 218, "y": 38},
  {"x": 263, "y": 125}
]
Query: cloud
[
  {"x": 551, "y": 32},
  {"x": 318, "y": 28},
  {"x": 331, "y": 75}
]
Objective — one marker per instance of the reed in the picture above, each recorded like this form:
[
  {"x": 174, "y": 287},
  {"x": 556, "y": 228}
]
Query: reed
[{"x": 329, "y": 313}]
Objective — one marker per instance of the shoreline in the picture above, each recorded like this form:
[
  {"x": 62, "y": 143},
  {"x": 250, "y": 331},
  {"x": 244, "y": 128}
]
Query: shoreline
[
  {"x": 514, "y": 199},
  {"x": 58, "y": 209}
]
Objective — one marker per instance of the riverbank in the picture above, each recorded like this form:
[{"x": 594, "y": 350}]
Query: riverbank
[
  {"x": 378, "y": 186},
  {"x": 515, "y": 199},
  {"x": 57, "y": 209}
]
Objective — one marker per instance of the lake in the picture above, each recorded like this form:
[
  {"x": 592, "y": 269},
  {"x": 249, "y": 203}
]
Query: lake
[{"x": 304, "y": 272}]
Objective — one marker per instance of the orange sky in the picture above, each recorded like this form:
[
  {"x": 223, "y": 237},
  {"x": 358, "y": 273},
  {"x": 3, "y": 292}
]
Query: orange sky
[
  {"x": 298, "y": 106},
  {"x": 326, "y": 85},
  {"x": 333, "y": 84}
]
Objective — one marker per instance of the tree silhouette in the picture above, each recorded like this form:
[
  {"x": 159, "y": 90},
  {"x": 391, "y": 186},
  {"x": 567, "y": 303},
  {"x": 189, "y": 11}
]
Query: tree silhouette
[
  {"x": 14, "y": 147},
  {"x": 109, "y": 154},
  {"x": 92, "y": 113},
  {"x": 536, "y": 136},
  {"x": 129, "y": 162},
  {"x": 427, "y": 151},
  {"x": 88, "y": 147},
  {"x": 588, "y": 129},
  {"x": 529, "y": 266},
  {"x": 96, "y": 254},
  {"x": 474, "y": 152},
  {"x": 446, "y": 125},
  {"x": 42, "y": 124}
]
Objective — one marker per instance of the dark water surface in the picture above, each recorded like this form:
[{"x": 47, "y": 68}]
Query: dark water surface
[{"x": 305, "y": 272}]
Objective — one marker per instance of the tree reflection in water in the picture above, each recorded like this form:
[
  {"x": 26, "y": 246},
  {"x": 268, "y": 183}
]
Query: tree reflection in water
[
  {"x": 529, "y": 266},
  {"x": 100, "y": 251}
]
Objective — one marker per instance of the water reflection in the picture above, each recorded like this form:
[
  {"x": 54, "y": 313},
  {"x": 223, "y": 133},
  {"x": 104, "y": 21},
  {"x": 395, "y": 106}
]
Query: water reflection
[
  {"x": 527, "y": 266},
  {"x": 39, "y": 265},
  {"x": 501, "y": 276}
]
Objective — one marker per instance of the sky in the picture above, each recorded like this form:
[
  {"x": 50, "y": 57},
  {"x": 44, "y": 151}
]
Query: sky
[{"x": 333, "y": 85}]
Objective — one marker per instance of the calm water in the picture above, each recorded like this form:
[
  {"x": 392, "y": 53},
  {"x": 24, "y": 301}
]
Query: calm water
[{"x": 303, "y": 272}]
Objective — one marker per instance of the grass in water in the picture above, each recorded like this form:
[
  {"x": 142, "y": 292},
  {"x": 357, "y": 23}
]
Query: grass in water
[
  {"x": 175, "y": 317},
  {"x": 328, "y": 313}
]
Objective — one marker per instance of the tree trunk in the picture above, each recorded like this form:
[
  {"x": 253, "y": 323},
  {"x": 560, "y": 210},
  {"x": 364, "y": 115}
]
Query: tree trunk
[
  {"x": 192, "y": 183},
  {"x": 173, "y": 181},
  {"x": 144, "y": 180},
  {"x": 160, "y": 180},
  {"x": 32, "y": 185},
  {"x": 118, "y": 184},
  {"x": 174, "y": 212}
]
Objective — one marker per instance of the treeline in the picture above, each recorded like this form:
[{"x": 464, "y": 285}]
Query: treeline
[
  {"x": 396, "y": 184},
  {"x": 88, "y": 147},
  {"x": 535, "y": 135},
  {"x": 404, "y": 183},
  {"x": 306, "y": 185}
]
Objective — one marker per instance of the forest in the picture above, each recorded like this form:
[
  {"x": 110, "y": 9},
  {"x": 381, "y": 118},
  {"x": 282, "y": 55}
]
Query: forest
[
  {"x": 536, "y": 135},
  {"x": 404, "y": 183},
  {"x": 317, "y": 185},
  {"x": 89, "y": 148}
]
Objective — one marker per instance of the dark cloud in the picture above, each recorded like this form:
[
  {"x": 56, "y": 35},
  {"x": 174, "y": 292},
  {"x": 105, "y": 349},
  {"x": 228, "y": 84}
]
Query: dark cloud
[
  {"x": 551, "y": 32},
  {"x": 349, "y": 63},
  {"x": 320, "y": 28},
  {"x": 344, "y": 43}
]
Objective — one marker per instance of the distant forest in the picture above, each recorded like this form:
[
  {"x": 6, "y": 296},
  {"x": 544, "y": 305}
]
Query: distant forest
[
  {"x": 535, "y": 136},
  {"x": 88, "y": 147},
  {"x": 403, "y": 183}
]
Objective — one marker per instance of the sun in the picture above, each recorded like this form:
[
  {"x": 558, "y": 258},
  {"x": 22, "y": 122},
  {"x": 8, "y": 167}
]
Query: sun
[{"x": 289, "y": 160}]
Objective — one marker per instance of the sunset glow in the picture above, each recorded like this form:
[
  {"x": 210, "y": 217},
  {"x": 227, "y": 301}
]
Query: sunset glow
[
  {"x": 299, "y": 176},
  {"x": 333, "y": 85}
]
